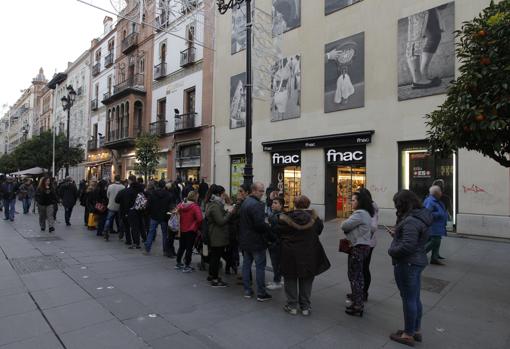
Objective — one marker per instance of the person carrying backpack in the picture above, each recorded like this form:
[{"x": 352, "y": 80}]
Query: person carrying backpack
[{"x": 132, "y": 202}]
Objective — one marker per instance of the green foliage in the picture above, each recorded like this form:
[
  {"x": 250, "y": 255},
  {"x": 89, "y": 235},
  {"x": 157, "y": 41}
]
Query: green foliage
[
  {"x": 147, "y": 154},
  {"x": 476, "y": 113},
  {"x": 38, "y": 152}
]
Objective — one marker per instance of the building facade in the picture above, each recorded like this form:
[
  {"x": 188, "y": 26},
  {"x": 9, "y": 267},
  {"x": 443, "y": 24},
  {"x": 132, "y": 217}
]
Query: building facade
[
  {"x": 346, "y": 109},
  {"x": 179, "y": 116}
]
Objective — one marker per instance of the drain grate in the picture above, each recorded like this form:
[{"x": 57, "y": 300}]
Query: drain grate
[
  {"x": 27, "y": 265},
  {"x": 433, "y": 285},
  {"x": 43, "y": 238}
]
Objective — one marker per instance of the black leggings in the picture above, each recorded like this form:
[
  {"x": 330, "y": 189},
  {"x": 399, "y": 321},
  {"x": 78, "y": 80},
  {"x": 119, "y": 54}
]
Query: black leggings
[
  {"x": 186, "y": 242},
  {"x": 367, "y": 278},
  {"x": 215, "y": 254}
]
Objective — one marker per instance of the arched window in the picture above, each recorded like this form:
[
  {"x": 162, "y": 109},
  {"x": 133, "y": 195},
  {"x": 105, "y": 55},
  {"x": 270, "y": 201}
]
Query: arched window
[{"x": 162, "y": 53}]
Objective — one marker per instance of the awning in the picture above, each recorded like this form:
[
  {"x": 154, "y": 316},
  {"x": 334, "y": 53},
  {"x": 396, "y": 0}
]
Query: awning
[
  {"x": 30, "y": 171},
  {"x": 96, "y": 163}
]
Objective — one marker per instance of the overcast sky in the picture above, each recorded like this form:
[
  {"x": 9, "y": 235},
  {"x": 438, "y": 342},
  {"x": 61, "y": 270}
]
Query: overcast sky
[{"x": 43, "y": 33}]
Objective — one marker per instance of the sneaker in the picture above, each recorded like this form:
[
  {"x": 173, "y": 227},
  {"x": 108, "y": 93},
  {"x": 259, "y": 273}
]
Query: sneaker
[
  {"x": 188, "y": 269},
  {"x": 180, "y": 266},
  {"x": 248, "y": 295},
  {"x": 264, "y": 297},
  {"x": 218, "y": 284},
  {"x": 274, "y": 285},
  {"x": 138, "y": 247},
  {"x": 306, "y": 312},
  {"x": 43, "y": 229},
  {"x": 209, "y": 278},
  {"x": 51, "y": 230},
  {"x": 289, "y": 310},
  {"x": 131, "y": 247}
]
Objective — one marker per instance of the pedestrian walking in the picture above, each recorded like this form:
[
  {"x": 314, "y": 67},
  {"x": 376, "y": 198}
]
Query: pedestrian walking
[
  {"x": 438, "y": 228},
  {"x": 89, "y": 199},
  {"x": 9, "y": 190},
  {"x": 45, "y": 198},
  {"x": 26, "y": 193},
  {"x": 100, "y": 208},
  {"x": 113, "y": 208},
  {"x": 409, "y": 258},
  {"x": 68, "y": 193},
  {"x": 158, "y": 206},
  {"x": 253, "y": 242},
  {"x": 217, "y": 222},
  {"x": 358, "y": 231},
  {"x": 275, "y": 249},
  {"x": 302, "y": 254},
  {"x": 131, "y": 200},
  {"x": 190, "y": 220}
]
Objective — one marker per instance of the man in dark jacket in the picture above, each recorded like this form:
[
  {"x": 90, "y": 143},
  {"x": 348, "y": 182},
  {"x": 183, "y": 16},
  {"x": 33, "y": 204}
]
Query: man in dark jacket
[
  {"x": 9, "y": 190},
  {"x": 252, "y": 241},
  {"x": 203, "y": 187},
  {"x": 68, "y": 193},
  {"x": 159, "y": 204},
  {"x": 131, "y": 218}
]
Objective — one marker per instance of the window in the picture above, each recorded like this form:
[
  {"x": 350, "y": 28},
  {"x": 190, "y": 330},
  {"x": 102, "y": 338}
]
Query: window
[
  {"x": 111, "y": 45},
  {"x": 141, "y": 65},
  {"x": 110, "y": 84},
  {"x": 96, "y": 90},
  {"x": 98, "y": 56},
  {"x": 161, "y": 109},
  {"x": 189, "y": 100},
  {"x": 162, "y": 53},
  {"x": 133, "y": 27},
  {"x": 190, "y": 34}
]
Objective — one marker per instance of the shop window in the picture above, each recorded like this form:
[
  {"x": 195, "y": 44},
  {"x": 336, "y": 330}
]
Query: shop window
[{"x": 237, "y": 163}]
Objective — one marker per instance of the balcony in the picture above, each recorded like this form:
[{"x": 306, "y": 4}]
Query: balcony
[
  {"x": 101, "y": 141},
  {"x": 130, "y": 42},
  {"x": 161, "y": 22},
  {"x": 92, "y": 144},
  {"x": 96, "y": 69},
  {"x": 132, "y": 85},
  {"x": 108, "y": 60},
  {"x": 160, "y": 71},
  {"x": 118, "y": 139},
  {"x": 184, "y": 122},
  {"x": 94, "y": 104},
  {"x": 158, "y": 128},
  {"x": 187, "y": 57}
]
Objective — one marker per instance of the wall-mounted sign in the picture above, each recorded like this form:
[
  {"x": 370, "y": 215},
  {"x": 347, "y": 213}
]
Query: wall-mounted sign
[
  {"x": 286, "y": 159},
  {"x": 345, "y": 155},
  {"x": 328, "y": 141}
]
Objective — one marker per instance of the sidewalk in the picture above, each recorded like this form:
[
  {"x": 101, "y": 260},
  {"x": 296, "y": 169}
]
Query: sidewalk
[{"x": 74, "y": 290}]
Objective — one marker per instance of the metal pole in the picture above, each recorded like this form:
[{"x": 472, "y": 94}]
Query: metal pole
[
  {"x": 53, "y": 157},
  {"x": 248, "y": 168},
  {"x": 68, "y": 145}
]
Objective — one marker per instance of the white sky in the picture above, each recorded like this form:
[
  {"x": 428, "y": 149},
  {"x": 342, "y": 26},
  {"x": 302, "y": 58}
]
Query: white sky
[{"x": 43, "y": 33}]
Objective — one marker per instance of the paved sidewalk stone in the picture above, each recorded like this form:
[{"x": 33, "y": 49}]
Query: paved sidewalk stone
[{"x": 102, "y": 295}]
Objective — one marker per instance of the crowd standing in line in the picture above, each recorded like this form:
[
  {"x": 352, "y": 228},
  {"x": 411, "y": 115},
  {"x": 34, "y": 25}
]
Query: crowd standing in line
[{"x": 205, "y": 219}]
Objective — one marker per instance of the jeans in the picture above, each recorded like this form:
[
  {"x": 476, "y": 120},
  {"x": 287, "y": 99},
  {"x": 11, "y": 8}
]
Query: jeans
[
  {"x": 26, "y": 204},
  {"x": 355, "y": 265},
  {"x": 260, "y": 271},
  {"x": 46, "y": 213},
  {"x": 275, "y": 255},
  {"x": 108, "y": 224},
  {"x": 101, "y": 220},
  {"x": 408, "y": 279},
  {"x": 186, "y": 242},
  {"x": 298, "y": 290},
  {"x": 153, "y": 226},
  {"x": 433, "y": 245},
  {"x": 9, "y": 208},
  {"x": 68, "y": 211}
]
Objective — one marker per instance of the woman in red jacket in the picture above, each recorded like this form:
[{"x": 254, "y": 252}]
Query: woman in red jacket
[{"x": 190, "y": 216}]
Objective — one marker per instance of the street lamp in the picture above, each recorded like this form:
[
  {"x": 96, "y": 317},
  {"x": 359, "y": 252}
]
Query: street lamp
[
  {"x": 223, "y": 7},
  {"x": 67, "y": 104}
]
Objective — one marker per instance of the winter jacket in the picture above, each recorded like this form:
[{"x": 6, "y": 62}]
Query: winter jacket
[
  {"x": 411, "y": 235},
  {"x": 253, "y": 228},
  {"x": 159, "y": 202},
  {"x": 202, "y": 189},
  {"x": 111, "y": 193},
  {"x": 358, "y": 228},
  {"x": 217, "y": 222},
  {"x": 26, "y": 191},
  {"x": 234, "y": 223},
  {"x": 9, "y": 190},
  {"x": 46, "y": 197},
  {"x": 302, "y": 254},
  {"x": 190, "y": 216},
  {"x": 126, "y": 197},
  {"x": 68, "y": 193},
  {"x": 438, "y": 227}
]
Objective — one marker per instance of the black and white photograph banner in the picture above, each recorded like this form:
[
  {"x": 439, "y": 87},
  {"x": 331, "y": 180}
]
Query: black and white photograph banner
[
  {"x": 238, "y": 38},
  {"x": 286, "y": 15},
  {"x": 426, "y": 52},
  {"x": 238, "y": 101},
  {"x": 335, "y": 5},
  {"x": 286, "y": 89},
  {"x": 345, "y": 74}
]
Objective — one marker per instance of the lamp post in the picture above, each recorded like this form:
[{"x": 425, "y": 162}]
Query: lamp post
[
  {"x": 67, "y": 104},
  {"x": 223, "y": 7}
]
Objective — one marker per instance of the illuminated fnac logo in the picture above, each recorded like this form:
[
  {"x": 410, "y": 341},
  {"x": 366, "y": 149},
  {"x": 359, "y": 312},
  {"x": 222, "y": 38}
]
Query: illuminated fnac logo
[
  {"x": 285, "y": 159},
  {"x": 333, "y": 155}
]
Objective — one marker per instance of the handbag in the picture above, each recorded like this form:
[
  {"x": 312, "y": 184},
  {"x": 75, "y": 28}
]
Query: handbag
[
  {"x": 345, "y": 246},
  {"x": 174, "y": 223},
  {"x": 100, "y": 207}
]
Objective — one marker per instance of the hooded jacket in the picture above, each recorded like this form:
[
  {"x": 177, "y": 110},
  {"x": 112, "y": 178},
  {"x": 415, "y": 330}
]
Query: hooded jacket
[
  {"x": 302, "y": 254},
  {"x": 190, "y": 216},
  {"x": 159, "y": 204},
  {"x": 411, "y": 235}
]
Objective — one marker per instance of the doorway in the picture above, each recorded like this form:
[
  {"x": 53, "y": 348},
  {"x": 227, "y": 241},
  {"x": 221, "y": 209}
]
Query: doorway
[{"x": 341, "y": 183}]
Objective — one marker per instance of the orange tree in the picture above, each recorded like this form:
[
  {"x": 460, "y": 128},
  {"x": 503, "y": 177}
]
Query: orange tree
[{"x": 476, "y": 113}]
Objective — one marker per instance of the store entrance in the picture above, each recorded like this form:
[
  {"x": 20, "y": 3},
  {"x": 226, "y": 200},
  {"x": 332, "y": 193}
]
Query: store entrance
[
  {"x": 187, "y": 174},
  {"x": 288, "y": 183},
  {"x": 341, "y": 183}
]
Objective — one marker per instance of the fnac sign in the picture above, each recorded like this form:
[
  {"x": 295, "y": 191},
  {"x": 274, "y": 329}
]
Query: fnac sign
[
  {"x": 345, "y": 155},
  {"x": 286, "y": 159}
]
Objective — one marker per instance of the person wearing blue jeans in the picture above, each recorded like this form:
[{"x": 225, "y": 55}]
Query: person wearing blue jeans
[
  {"x": 158, "y": 205},
  {"x": 408, "y": 279},
  {"x": 153, "y": 226},
  {"x": 9, "y": 209},
  {"x": 9, "y": 191},
  {"x": 259, "y": 258}
]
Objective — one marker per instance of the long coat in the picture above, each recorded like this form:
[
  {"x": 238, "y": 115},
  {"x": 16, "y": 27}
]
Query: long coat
[
  {"x": 217, "y": 222},
  {"x": 302, "y": 254}
]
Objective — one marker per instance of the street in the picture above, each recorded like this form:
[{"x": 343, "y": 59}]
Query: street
[{"x": 71, "y": 289}]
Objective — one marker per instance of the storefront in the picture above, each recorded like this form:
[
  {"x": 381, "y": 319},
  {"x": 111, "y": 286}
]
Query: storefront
[
  {"x": 345, "y": 174},
  {"x": 99, "y": 166},
  {"x": 187, "y": 162},
  {"x": 286, "y": 175},
  {"x": 419, "y": 169},
  {"x": 237, "y": 163}
]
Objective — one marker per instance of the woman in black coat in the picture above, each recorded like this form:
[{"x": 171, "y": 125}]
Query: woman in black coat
[{"x": 302, "y": 255}]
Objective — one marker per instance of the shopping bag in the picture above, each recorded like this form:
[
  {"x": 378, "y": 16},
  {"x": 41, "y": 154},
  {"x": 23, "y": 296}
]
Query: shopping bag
[
  {"x": 174, "y": 223},
  {"x": 91, "y": 222}
]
